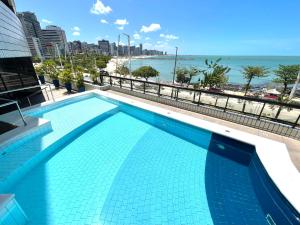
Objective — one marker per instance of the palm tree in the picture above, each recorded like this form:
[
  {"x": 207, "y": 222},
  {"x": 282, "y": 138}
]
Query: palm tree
[
  {"x": 122, "y": 70},
  {"x": 215, "y": 74},
  {"x": 94, "y": 75},
  {"x": 251, "y": 72},
  {"x": 182, "y": 75},
  {"x": 193, "y": 71},
  {"x": 285, "y": 75}
]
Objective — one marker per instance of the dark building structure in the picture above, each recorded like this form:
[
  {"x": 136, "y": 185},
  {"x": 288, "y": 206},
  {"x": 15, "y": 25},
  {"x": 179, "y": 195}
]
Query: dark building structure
[
  {"x": 16, "y": 69},
  {"x": 104, "y": 47},
  {"x": 33, "y": 33}
]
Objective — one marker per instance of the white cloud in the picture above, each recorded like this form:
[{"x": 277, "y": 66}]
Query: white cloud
[
  {"x": 99, "y": 8},
  {"x": 147, "y": 38},
  {"x": 151, "y": 28},
  {"x": 46, "y": 21},
  {"x": 121, "y": 22},
  {"x": 169, "y": 36},
  {"x": 76, "y": 28},
  {"x": 76, "y": 33},
  {"x": 104, "y": 21},
  {"x": 137, "y": 36}
]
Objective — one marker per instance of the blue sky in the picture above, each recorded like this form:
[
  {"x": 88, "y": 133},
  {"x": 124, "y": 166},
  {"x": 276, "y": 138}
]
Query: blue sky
[{"x": 204, "y": 27}]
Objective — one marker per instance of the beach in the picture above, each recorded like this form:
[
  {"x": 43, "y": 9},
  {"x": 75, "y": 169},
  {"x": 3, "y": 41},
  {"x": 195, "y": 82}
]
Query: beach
[{"x": 208, "y": 99}]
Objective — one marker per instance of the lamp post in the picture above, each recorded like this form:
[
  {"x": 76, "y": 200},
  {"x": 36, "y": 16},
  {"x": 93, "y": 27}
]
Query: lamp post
[
  {"x": 175, "y": 65},
  {"x": 129, "y": 54},
  {"x": 72, "y": 65},
  {"x": 58, "y": 53},
  {"x": 174, "y": 74},
  {"x": 117, "y": 62}
]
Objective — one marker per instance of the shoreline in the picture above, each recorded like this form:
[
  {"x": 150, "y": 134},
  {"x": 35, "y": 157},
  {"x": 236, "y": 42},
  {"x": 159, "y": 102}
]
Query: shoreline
[
  {"x": 230, "y": 88},
  {"x": 114, "y": 62}
]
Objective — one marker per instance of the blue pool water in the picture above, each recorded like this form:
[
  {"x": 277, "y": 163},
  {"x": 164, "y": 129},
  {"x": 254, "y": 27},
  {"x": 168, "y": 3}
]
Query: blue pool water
[
  {"x": 64, "y": 120},
  {"x": 133, "y": 167}
]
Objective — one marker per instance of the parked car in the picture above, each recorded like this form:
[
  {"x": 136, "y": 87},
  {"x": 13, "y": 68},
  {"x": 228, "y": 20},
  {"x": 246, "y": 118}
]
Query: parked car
[
  {"x": 270, "y": 96},
  {"x": 216, "y": 90}
]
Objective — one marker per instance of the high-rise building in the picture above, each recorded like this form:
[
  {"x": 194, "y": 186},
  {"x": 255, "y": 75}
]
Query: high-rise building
[
  {"x": 84, "y": 47},
  {"x": 132, "y": 50},
  {"x": 16, "y": 69},
  {"x": 75, "y": 47},
  {"x": 33, "y": 32},
  {"x": 125, "y": 50},
  {"x": 141, "y": 49},
  {"x": 10, "y": 4},
  {"x": 93, "y": 48},
  {"x": 104, "y": 47},
  {"x": 113, "y": 49},
  {"x": 137, "y": 51},
  {"x": 55, "y": 42},
  {"x": 121, "y": 50}
]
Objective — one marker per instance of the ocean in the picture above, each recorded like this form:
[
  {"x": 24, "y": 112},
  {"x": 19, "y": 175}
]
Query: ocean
[{"x": 165, "y": 65}]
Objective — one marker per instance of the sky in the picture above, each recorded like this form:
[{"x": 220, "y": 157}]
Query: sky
[{"x": 196, "y": 27}]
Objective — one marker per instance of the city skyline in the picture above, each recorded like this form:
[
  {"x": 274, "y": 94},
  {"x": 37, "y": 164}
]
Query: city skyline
[
  {"x": 51, "y": 42},
  {"x": 210, "y": 28}
]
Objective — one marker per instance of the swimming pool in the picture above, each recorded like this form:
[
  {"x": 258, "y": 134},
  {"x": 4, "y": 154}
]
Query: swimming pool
[{"x": 107, "y": 162}]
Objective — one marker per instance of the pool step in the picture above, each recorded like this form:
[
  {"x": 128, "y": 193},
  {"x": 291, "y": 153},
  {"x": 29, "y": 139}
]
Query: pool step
[{"x": 10, "y": 211}]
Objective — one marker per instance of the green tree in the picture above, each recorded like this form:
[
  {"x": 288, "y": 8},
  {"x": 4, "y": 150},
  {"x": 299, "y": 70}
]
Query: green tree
[
  {"x": 104, "y": 58},
  {"x": 79, "y": 80},
  {"x": 182, "y": 75},
  {"x": 193, "y": 71},
  {"x": 66, "y": 76},
  {"x": 94, "y": 75},
  {"x": 79, "y": 69},
  {"x": 36, "y": 59},
  {"x": 49, "y": 67},
  {"x": 122, "y": 70},
  {"x": 101, "y": 64},
  {"x": 215, "y": 74},
  {"x": 285, "y": 75},
  {"x": 251, "y": 72},
  {"x": 39, "y": 70},
  {"x": 145, "y": 72}
]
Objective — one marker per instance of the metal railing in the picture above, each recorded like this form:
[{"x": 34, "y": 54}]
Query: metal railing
[
  {"x": 42, "y": 87},
  {"x": 12, "y": 102},
  {"x": 12, "y": 81},
  {"x": 285, "y": 113}
]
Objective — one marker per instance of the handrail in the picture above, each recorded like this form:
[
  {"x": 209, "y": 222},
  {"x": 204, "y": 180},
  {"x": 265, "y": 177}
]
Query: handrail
[
  {"x": 11, "y": 102},
  {"x": 31, "y": 87},
  {"x": 174, "y": 95},
  {"x": 248, "y": 98}
]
